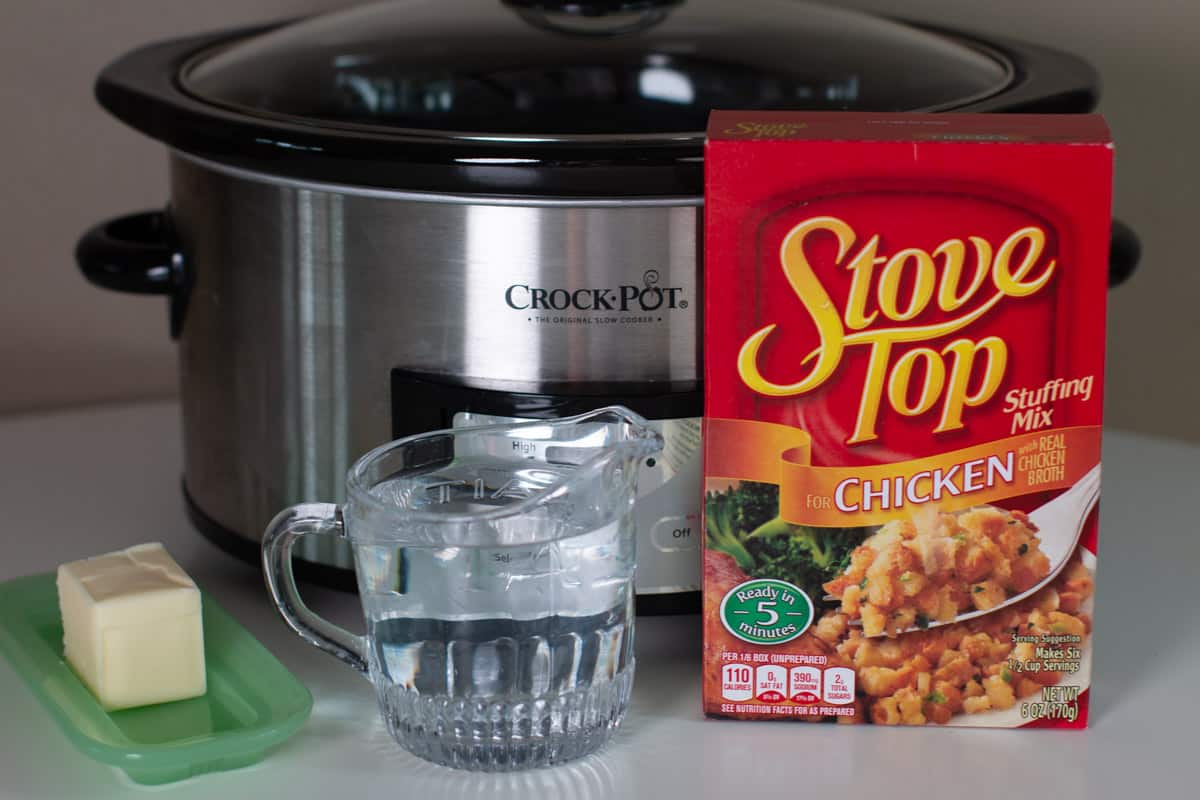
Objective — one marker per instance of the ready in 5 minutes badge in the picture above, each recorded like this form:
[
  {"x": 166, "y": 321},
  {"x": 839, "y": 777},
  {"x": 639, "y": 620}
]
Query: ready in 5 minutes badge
[{"x": 766, "y": 611}]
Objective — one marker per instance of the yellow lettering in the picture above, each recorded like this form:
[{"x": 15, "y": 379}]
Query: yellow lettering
[
  {"x": 954, "y": 251},
  {"x": 1011, "y": 282},
  {"x": 807, "y": 287},
  {"x": 868, "y": 404},
  {"x": 948, "y": 374},
  {"x": 861, "y": 267},
  {"x": 923, "y": 283},
  {"x": 901, "y": 379},
  {"x": 963, "y": 352}
]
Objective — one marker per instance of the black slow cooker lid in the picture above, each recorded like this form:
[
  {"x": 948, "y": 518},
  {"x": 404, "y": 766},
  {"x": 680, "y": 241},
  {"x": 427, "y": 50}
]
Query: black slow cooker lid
[
  {"x": 458, "y": 69},
  {"x": 561, "y": 97}
]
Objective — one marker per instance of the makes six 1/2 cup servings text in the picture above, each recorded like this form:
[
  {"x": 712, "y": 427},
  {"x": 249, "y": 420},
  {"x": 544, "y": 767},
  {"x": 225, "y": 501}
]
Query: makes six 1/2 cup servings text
[{"x": 904, "y": 332}]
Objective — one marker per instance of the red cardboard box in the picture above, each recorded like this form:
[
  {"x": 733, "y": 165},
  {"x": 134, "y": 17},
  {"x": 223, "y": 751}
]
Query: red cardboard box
[{"x": 904, "y": 356}]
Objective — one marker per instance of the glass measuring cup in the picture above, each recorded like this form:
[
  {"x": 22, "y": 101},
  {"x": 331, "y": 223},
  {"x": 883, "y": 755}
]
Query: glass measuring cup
[{"x": 495, "y": 567}]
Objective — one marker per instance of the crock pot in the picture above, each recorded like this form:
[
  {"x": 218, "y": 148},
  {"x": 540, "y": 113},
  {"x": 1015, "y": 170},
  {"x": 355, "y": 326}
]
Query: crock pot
[{"x": 409, "y": 215}]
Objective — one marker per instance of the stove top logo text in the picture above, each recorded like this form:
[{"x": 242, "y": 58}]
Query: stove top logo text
[
  {"x": 958, "y": 374},
  {"x": 648, "y": 296}
]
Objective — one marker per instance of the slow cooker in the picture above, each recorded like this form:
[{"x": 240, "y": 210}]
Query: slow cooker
[{"x": 425, "y": 213}]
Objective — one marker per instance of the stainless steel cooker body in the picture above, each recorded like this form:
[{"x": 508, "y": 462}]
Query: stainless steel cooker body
[{"x": 301, "y": 299}]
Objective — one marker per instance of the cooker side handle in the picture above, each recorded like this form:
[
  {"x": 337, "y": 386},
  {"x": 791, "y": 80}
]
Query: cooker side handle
[
  {"x": 137, "y": 253},
  {"x": 1125, "y": 250}
]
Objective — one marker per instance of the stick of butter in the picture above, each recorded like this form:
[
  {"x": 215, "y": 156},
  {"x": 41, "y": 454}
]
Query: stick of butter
[{"x": 132, "y": 628}]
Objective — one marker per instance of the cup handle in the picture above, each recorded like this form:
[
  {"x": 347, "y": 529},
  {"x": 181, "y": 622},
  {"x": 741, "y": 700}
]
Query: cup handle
[{"x": 281, "y": 535}]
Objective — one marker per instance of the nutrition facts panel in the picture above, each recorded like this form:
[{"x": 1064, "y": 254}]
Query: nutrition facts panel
[{"x": 786, "y": 691}]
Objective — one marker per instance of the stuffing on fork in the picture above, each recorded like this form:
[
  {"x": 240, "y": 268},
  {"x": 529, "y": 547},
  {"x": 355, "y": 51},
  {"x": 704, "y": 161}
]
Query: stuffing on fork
[
  {"x": 929, "y": 676},
  {"x": 935, "y": 566}
]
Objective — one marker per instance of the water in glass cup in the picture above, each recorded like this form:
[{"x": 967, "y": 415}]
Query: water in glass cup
[
  {"x": 495, "y": 567},
  {"x": 505, "y": 656}
]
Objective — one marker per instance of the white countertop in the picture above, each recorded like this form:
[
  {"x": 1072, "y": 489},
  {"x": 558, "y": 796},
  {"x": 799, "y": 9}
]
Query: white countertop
[{"x": 79, "y": 483}]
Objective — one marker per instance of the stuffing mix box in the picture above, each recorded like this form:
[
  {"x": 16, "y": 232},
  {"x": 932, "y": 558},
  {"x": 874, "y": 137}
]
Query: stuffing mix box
[{"x": 904, "y": 335}]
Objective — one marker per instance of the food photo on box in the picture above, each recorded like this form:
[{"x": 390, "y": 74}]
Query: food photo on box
[{"x": 523, "y": 398}]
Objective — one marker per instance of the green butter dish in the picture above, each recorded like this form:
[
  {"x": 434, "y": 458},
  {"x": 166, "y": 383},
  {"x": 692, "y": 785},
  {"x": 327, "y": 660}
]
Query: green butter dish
[{"x": 253, "y": 703}]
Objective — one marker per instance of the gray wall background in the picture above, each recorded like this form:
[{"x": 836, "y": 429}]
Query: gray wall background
[{"x": 65, "y": 165}]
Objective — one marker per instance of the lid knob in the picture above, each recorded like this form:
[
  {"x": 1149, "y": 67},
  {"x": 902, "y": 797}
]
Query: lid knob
[{"x": 599, "y": 18}]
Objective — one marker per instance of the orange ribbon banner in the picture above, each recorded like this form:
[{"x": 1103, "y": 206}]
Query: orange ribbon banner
[{"x": 872, "y": 495}]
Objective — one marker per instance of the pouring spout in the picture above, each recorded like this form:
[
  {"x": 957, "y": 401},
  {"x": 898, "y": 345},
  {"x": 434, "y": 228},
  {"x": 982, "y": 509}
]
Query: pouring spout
[{"x": 501, "y": 485}]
